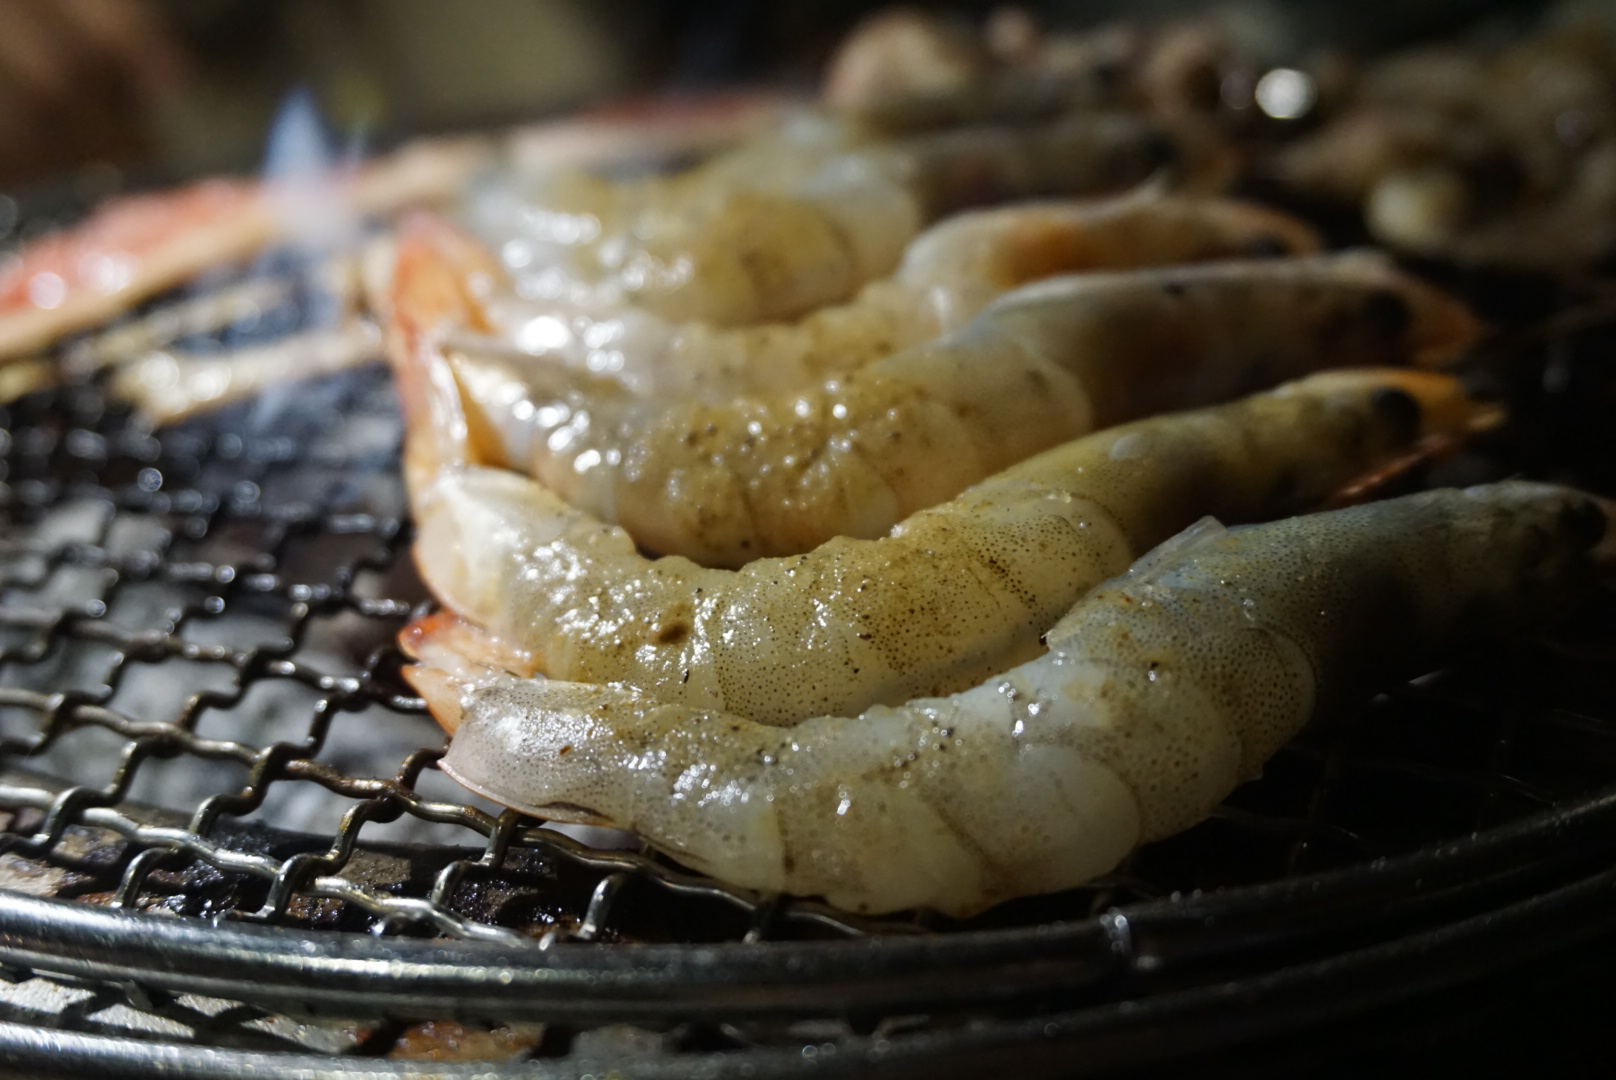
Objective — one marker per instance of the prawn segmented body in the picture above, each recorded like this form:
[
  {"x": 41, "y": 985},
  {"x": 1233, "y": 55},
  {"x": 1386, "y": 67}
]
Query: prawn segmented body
[
  {"x": 948, "y": 275},
  {"x": 956, "y": 593},
  {"x": 723, "y": 483},
  {"x": 787, "y": 223},
  {"x": 1159, "y": 693}
]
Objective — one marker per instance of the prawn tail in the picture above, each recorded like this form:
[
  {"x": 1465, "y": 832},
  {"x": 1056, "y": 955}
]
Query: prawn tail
[
  {"x": 441, "y": 692},
  {"x": 1448, "y": 419},
  {"x": 442, "y": 630},
  {"x": 432, "y": 291},
  {"x": 455, "y": 657}
]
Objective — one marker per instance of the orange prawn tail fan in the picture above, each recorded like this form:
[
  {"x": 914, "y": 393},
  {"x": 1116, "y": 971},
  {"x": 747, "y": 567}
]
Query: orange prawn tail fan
[{"x": 438, "y": 275}]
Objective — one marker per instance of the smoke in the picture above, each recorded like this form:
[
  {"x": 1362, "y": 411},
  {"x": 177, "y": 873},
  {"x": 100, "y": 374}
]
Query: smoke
[
  {"x": 307, "y": 174},
  {"x": 306, "y": 178}
]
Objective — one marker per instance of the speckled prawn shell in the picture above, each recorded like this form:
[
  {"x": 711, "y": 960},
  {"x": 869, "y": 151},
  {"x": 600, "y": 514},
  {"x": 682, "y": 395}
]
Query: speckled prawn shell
[{"x": 1160, "y": 692}]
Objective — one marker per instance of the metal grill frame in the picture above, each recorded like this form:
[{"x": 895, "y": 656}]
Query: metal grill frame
[
  {"x": 1558, "y": 853},
  {"x": 1080, "y": 1042}
]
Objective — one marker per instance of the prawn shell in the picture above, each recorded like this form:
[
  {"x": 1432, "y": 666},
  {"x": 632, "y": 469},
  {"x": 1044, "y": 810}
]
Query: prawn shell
[
  {"x": 791, "y": 222},
  {"x": 768, "y": 475},
  {"x": 1161, "y": 691},
  {"x": 955, "y": 593},
  {"x": 948, "y": 275}
]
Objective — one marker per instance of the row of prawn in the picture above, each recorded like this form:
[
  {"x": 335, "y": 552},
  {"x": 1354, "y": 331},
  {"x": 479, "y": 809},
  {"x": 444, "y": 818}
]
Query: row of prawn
[
  {"x": 850, "y": 674},
  {"x": 781, "y": 222},
  {"x": 904, "y": 717},
  {"x": 801, "y": 207},
  {"x": 785, "y": 436},
  {"x": 806, "y": 207}
]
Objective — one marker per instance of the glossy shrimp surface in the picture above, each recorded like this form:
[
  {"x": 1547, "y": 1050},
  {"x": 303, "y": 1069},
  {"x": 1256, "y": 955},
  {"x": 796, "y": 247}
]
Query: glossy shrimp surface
[
  {"x": 724, "y": 483},
  {"x": 789, "y": 222},
  {"x": 1159, "y": 693},
  {"x": 948, "y": 275},
  {"x": 956, "y": 593}
]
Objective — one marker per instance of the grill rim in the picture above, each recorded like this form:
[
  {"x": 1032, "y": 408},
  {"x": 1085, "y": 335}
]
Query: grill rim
[
  {"x": 1082, "y": 1042},
  {"x": 1147, "y": 973},
  {"x": 594, "y": 982}
]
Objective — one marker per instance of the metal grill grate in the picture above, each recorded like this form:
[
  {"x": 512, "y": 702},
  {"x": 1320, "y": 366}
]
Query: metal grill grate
[
  {"x": 201, "y": 717},
  {"x": 145, "y": 619}
]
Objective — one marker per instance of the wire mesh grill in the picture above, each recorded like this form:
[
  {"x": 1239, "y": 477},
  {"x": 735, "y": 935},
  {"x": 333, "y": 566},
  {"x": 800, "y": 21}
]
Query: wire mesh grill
[
  {"x": 201, "y": 716},
  {"x": 191, "y": 615}
]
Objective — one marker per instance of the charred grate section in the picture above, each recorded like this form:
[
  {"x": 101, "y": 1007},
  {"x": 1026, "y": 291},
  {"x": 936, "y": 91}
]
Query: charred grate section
[{"x": 202, "y": 717}]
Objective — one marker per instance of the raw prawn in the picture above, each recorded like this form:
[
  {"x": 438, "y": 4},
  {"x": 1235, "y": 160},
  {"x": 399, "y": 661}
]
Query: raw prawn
[
  {"x": 904, "y": 69},
  {"x": 900, "y": 56},
  {"x": 956, "y": 593},
  {"x": 949, "y": 273},
  {"x": 139, "y": 245},
  {"x": 786, "y": 223},
  {"x": 1160, "y": 692},
  {"x": 774, "y": 475}
]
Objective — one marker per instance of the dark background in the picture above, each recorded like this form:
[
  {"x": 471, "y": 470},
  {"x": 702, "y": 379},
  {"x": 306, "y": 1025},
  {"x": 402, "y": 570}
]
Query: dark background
[{"x": 166, "y": 90}]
